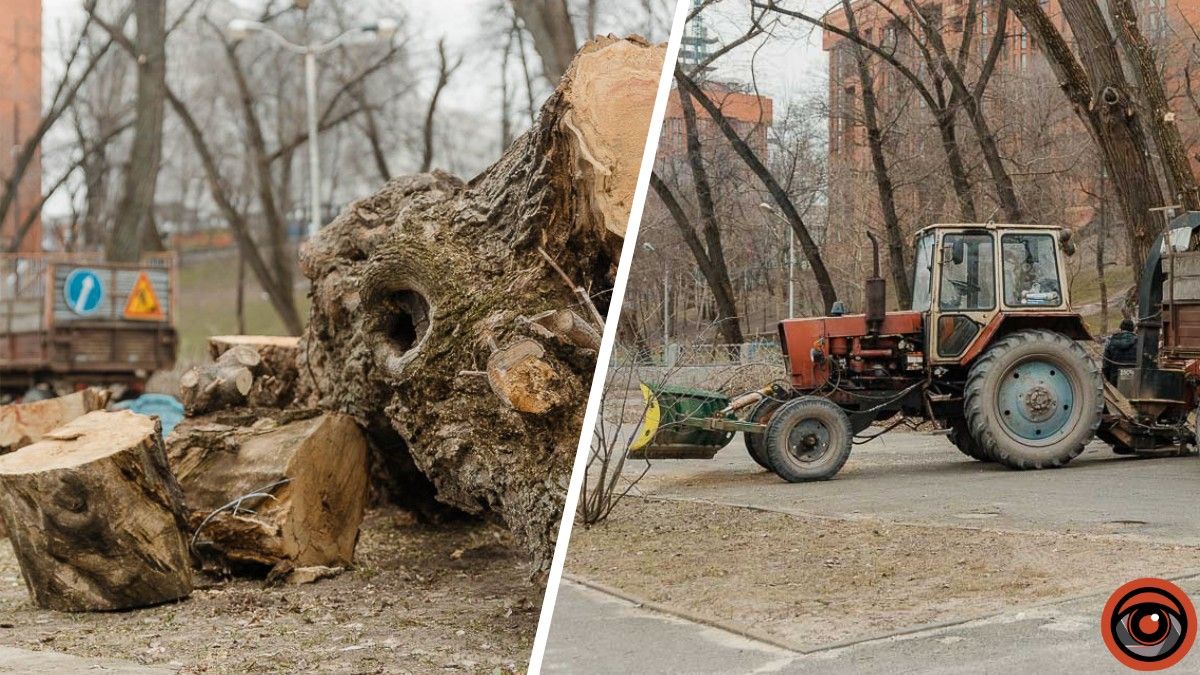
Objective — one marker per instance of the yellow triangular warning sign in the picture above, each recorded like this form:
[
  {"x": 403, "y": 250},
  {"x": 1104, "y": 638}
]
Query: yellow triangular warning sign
[{"x": 142, "y": 302}]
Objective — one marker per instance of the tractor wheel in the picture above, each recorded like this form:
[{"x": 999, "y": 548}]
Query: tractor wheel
[
  {"x": 962, "y": 439},
  {"x": 756, "y": 443},
  {"x": 808, "y": 438},
  {"x": 1033, "y": 400}
]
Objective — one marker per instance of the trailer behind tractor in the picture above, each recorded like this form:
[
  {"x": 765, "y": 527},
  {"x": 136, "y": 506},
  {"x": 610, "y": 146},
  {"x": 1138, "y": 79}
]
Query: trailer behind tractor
[{"x": 72, "y": 320}]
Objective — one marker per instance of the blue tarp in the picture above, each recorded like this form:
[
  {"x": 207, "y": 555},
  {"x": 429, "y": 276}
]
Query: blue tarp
[{"x": 167, "y": 409}]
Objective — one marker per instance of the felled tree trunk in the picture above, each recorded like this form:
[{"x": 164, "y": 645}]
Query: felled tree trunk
[
  {"x": 95, "y": 517},
  {"x": 418, "y": 288},
  {"x": 271, "y": 493},
  {"x": 25, "y": 423}
]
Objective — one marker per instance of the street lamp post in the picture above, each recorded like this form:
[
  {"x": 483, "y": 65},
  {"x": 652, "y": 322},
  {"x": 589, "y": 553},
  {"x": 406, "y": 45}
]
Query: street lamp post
[
  {"x": 791, "y": 258},
  {"x": 383, "y": 30}
]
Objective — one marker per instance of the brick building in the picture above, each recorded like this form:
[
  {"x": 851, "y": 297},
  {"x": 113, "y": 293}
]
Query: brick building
[
  {"x": 1021, "y": 79},
  {"x": 20, "y": 110},
  {"x": 750, "y": 114}
]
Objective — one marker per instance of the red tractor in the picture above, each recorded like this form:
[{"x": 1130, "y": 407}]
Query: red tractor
[{"x": 991, "y": 351}]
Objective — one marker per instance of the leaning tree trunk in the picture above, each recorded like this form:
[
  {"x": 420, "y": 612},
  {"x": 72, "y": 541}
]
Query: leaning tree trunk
[{"x": 425, "y": 298}]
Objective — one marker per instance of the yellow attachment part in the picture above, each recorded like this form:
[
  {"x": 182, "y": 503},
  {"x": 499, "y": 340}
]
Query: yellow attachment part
[{"x": 650, "y": 420}]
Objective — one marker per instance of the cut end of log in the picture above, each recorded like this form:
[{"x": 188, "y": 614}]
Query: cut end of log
[
  {"x": 81, "y": 441},
  {"x": 25, "y": 423},
  {"x": 611, "y": 88}
]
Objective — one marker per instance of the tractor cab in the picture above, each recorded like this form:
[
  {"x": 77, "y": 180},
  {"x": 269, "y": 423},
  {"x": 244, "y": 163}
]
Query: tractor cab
[{"x": 970, "y": 279}]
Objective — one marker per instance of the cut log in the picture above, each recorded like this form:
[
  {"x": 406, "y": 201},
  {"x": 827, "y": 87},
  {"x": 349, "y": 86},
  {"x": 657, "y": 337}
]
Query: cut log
[
  {"x": 95, "y": 517},
  {"x": 25, "y": 423},
  {"x": 301, "y": 478},
  {"x": 275, "y": 380},
  {"x": 414, "y": 288},
  {"x": 225, "y": 383}
]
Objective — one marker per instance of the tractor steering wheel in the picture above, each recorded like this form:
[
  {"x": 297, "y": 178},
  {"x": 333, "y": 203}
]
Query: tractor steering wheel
[{"x": 964, "y": 287}]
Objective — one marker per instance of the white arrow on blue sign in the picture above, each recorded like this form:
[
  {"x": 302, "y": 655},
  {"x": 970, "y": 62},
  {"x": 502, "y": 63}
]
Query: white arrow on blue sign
[{"x": 83, "y": 291}]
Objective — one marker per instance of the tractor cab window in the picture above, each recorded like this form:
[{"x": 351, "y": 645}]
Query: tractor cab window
[
  {"x": 923, "y": 273},
  {"x": 968, "y": 273},
  {"x": 1030, "y": 271}
]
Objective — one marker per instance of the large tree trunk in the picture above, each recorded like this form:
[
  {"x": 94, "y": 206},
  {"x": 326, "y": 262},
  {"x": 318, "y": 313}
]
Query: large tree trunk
[
  {"x": 1160, "y": 118},
  {"x": 1098, "y": 92},
  {"x": 417, "y": 287},
  {"x": 301, "y": 478},
  {"x": 95, "y": 516},
  {"x": 141, "y": 174}
]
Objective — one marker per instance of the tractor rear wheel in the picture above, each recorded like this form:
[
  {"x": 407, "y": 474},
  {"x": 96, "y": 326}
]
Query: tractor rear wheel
[
  {"x": 808, "y": 438},
  {"x": 1034, "y": 400},
  {"x": 756, "y": 442},
  {"x": 962, "y": 439}
]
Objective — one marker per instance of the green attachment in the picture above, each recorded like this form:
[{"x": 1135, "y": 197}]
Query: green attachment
[{"x": 683, "y": 423}]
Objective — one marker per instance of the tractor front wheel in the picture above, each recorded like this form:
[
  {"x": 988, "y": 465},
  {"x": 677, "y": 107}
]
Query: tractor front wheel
[
  {"x": 756, "y": 442},
  {"x": 808, "y": 438},
  {"x": 1034, "y": 400}
]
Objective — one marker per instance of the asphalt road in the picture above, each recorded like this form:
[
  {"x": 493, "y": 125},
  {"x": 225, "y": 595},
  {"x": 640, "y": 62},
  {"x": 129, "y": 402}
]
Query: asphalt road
[{"x": 912, "y": 478}]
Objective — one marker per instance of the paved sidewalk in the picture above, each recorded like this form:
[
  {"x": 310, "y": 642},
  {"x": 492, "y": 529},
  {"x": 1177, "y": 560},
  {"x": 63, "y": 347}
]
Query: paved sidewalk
[
  {"x": 13, "y": 660},
  {"x": 596, "y": 633}
]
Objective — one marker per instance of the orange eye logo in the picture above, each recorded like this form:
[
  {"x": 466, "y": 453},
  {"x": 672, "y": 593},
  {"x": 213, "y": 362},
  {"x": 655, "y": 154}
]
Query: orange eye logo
[{"x": 1148, "y": 624}]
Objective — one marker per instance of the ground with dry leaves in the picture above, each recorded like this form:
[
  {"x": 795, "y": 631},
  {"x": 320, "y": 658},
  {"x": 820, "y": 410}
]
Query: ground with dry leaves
[
  {"x": 448, "y": 598},
  {"x": 811, "y": 581}
]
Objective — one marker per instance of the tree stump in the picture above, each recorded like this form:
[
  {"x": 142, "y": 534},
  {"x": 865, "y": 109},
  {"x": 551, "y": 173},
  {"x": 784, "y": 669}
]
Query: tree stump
[
  {"x": 95, "y": 516},
  {"x": 300, "y": 476},
  {"x": 25, "y": 423},
  {"x": 418, "y": 287}
]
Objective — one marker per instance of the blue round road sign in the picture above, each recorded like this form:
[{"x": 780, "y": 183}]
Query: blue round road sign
[{"x": 83, "y": 291}]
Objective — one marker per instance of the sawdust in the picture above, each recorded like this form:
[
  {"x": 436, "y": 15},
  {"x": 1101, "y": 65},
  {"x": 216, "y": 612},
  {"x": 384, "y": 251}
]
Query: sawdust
[
  {"x": 421, "y": 599},
  {"x": 814, "y": 581}
]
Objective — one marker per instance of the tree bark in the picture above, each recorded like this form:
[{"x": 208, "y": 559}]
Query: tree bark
[
  {"x": 135, "y": 211},
  {"x": 408, "y": 309},
  {"x": 778, "y": 193},
  {"x": 1161, "y": 119},
  {"x": 95, "y": 516}
]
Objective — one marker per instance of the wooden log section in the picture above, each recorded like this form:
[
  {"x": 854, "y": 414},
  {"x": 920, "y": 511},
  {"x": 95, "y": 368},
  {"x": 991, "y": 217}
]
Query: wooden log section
[
  {"x": 224, "y": 383},
  {"x": 301, "y": 478},
  {"x": 25, "y": 423},
  {"x": 95, "y": 516},
  {"x": 275, "y": 379}
]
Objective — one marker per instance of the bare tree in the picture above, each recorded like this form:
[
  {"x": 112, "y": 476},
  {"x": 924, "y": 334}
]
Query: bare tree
[
  {"x": 1095, "y": 85},
  {"x": 549, "y": 25},
  {"x": 777, "y": 192},
  {"x": 61, "y": 100},
  {"x": 879, "y": 164},
  {"x": 135, "y": 212},
  {"x": 445, "y": 71}
]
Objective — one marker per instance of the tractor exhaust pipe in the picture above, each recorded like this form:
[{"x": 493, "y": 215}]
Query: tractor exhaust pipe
[{"x": 876, "y": 293}]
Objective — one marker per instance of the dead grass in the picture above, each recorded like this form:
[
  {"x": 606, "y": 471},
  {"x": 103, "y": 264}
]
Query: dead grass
[{"x": 815, "y": 581}]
